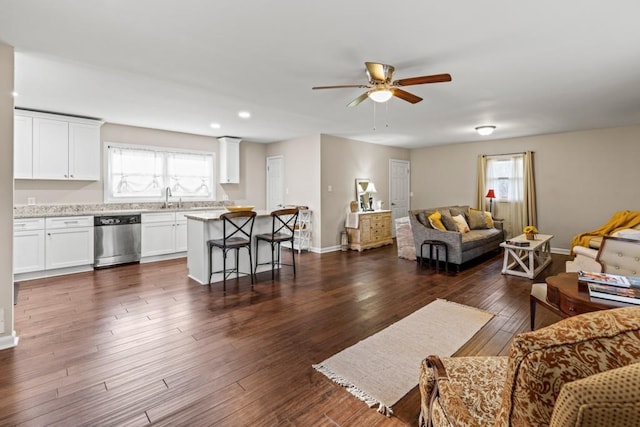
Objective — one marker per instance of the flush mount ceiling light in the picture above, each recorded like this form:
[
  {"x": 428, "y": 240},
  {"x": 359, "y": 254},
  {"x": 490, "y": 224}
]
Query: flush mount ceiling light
[
  {"x": 244, "y": 114},
  {"x": 380, "y": 95},
  {"x": 215, "y": 126},
  {"x": 485, "y": 130}
]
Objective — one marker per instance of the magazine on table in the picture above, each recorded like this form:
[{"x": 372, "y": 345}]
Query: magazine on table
[
  {"x": 615, "y": 293},
  {"x": 609, "y": 279}
]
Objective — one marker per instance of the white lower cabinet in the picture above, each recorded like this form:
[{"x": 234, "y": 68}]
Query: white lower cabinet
[
  {"x": 28, "y": 245},
  {"x": 163, "y": 233},
  {"x": 41, "y": 244},
  {"x": 68, "y": 242}
]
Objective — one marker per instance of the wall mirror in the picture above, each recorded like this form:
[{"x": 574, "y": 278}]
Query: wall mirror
[{"x": 364, "y": 190}]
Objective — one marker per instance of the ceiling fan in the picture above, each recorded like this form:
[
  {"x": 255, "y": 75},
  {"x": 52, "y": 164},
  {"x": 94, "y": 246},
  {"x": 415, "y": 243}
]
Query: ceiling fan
[{"x": 381, "y": 88}]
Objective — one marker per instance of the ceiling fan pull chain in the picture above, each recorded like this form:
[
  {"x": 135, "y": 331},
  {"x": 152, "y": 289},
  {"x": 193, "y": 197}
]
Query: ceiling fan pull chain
[
  {"x": 374, "y": 116},
  {"x": 386, "y": 106}
]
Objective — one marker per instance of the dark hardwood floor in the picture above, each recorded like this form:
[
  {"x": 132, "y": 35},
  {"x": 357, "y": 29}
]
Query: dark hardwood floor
[{"x": 141, "y": 344}]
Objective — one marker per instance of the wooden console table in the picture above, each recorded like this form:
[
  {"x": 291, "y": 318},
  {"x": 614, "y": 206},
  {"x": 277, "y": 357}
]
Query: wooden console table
[
  {"x": 566, "y": 297},
  {"x": 369, "y": 229}
]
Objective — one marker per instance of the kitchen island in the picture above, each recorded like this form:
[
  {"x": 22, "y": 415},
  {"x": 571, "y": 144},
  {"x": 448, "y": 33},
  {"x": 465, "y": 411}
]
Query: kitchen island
[{"x": 202, "y": 227}]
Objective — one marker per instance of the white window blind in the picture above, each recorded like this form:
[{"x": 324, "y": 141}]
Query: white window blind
[{"x": 135, "y": 173}]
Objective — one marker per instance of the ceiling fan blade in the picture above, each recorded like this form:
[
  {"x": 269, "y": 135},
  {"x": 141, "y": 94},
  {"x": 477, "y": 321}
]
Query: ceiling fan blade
[
  {"x": 379, "y": 72},
  {"x": 358, "y": 100},
  {"x": 339, "y": 86},
  {"x": 436, "y": 78},
  {"x": 409, "y": 97}
]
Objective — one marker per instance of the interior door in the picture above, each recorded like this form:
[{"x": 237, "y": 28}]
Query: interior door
[
  {"x": 275, "y": 183},
  {"x": 398, "y": 190}
]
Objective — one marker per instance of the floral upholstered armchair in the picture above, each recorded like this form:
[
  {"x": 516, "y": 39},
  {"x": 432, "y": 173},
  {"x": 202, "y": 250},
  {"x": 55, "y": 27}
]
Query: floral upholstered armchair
[{"x": 581, "y": 371}]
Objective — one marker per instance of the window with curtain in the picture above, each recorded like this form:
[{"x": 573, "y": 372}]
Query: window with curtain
[
  {"x": 137, "y": 174},
  {"x": 512, "y": 179}
]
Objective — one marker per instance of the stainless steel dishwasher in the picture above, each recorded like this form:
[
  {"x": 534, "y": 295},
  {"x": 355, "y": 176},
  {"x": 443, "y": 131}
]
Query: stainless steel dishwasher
[{"x": 116, "y": 239}]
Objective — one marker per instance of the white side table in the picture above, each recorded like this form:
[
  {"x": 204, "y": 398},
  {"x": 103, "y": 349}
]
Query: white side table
[{"x": 527, "y": 261}]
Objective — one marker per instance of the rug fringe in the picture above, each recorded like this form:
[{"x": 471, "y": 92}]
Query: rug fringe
[{"x": 365, "y": 397}]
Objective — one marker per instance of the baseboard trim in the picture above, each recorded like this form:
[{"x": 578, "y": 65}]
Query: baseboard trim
[{"x": 9, "y": 341}]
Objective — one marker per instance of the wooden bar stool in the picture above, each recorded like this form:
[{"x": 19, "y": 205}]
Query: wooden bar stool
[
  {"x": 283, "y": 224},
  {"x": 237, "y": 229}
]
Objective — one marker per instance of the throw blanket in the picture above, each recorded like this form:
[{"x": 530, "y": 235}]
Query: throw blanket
[{"x": 619, "y": 221}]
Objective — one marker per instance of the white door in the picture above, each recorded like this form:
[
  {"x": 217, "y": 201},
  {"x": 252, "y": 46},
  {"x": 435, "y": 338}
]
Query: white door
[
  {"x": 398, "y": 190},
  {"x": 275, "y": 183}
]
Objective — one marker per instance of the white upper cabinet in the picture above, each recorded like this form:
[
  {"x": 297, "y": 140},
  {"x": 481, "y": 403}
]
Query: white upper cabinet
[
  {"x": 23, "y": 147},
  {"x": 229, "y": 151},
  {"x": 61, "y": 147}
]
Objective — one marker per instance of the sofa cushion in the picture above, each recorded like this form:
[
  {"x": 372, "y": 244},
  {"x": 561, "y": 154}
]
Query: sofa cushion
[
  {"x": 459, "y": 210},
  {"x": 422, "y": 218},
  {"x": 461, "y": 223},
  {"x": 477, "y": 238},
  {"x": 477, "y": 220},
  {"x": 436, "y": 222}
]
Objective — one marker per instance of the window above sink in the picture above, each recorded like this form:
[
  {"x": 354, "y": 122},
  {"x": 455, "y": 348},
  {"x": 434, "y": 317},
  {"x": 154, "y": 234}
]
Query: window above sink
[{"x": 136, "y": 173}]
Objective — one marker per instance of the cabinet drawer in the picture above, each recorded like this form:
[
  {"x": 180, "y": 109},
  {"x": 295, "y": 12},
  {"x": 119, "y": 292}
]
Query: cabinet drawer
[
  {"x": 69, "y": 222},
  {"x": 572, "y": 307},
  {"x": 158, "y": 217},
  {"x": 28, "y": 224}
]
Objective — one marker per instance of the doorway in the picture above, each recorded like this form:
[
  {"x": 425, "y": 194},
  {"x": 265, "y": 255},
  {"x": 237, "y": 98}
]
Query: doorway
[
  {"x": 399, "y": 171},
  {"x": 275, "y": 183}
]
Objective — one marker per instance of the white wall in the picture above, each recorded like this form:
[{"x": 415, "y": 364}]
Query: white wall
[
  {"x": 344, "y": 160},
  {"x": 301, "y": 159},
  {"x": 582, "y": 178},
  {"x": 6, "y": 197}
]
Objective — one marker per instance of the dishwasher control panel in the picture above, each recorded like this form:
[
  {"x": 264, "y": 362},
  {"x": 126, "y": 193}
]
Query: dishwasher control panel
[{"x": 116, "y": 220}]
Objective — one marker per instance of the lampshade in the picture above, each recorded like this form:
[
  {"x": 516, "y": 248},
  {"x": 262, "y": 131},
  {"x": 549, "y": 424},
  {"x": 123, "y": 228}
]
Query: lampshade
[
  {"x": 490, "y": 194},
  {"x": 380, "y": 95},
  {"x": 371, "y": 188},
  {"x": 485, "y": 130}
]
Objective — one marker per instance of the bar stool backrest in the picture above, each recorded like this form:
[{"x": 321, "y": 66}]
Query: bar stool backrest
[
  {"x": 238, "y": 225},
  {"x": 284, "y": 221}
]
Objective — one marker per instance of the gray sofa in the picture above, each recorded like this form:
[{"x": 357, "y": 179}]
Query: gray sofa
[{"x": 462, "y": 247}]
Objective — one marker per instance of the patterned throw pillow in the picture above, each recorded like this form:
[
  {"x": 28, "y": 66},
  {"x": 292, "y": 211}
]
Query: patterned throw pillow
[
  {"x": 463, "y": 227},
  {"x": 477, "y": 220}
]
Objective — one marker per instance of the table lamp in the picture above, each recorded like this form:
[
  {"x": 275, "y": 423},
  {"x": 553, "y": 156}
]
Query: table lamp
[
  {"x": 371, "y": 188},
  {"x": 490, "y": 195}
]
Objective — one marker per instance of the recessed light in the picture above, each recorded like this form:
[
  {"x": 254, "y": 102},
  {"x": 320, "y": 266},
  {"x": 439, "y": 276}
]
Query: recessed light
[
  {"x": 14, "y": 94},
  {"x": 215, "y": 126},
  {"x": 244, "y": 114},
  {"x": 485, "y": 130}
]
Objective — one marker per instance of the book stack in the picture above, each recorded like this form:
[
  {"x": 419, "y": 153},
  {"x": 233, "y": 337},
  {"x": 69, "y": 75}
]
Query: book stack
[
  {"x": 518, "y": 243},
  {"x": 612, "y": 286}
]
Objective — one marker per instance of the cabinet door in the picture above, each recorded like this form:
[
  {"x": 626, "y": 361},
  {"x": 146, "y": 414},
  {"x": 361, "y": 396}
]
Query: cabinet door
[
  {"x": 28, "y": 251},
  {"x": 181, "y": 236},
  {"x": 69, "y": 247},
  {"x": 50, "y": 149},
  {"x": 84, "y": 151},
  {"x": 22, "y": 147},
  {"x": 158, "y": 238},
  {"x": 229, "y": 161}
]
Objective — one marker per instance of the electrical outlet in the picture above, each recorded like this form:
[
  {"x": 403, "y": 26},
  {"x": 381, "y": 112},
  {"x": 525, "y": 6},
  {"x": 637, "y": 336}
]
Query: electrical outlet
[
  {"x": 31, "y": 200},
  {"x": 225, "y": 197},
  {"x": 411, "y": 194},
  {"x": 329, "y": 188}
]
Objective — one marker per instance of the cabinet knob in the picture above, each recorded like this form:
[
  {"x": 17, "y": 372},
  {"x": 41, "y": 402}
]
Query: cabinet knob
[
  {"x": 572, "y": 308},
  {"x": 66, "y": 176},
  {"x": 71, "y": 175}
]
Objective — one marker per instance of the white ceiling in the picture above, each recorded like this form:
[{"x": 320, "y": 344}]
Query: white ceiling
[{"x": 527, "y": 67}]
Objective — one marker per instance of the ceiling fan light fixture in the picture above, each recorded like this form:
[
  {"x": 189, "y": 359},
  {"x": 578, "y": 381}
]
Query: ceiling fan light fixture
[
  {"x": 380, "y": 95},
  {"x": 485, "y": 130}
]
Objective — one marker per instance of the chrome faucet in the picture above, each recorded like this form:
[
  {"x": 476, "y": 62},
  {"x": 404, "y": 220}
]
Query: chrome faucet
[{"x": 167, "y": 194}]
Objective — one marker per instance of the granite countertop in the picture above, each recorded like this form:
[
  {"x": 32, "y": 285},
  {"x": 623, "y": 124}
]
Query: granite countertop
[
  {"x": 213, "y": 216},
  {"x": 97, "y": 209}
]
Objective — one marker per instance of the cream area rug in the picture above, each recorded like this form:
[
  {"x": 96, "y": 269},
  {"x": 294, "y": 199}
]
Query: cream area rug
[{"x": 382, "y": 368}]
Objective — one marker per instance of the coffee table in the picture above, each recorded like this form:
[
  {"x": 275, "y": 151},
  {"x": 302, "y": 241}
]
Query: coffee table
[
  {"x": 566, "y": 297},
  {"x": 527, "y": 261}
]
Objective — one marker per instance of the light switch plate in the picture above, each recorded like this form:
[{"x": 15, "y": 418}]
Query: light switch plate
[{"x": 31, "y": 200}]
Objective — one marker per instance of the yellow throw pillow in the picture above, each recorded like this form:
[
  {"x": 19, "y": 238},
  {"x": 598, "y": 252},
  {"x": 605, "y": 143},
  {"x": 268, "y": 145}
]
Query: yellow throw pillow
[{"x": 435, "y": 219}]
